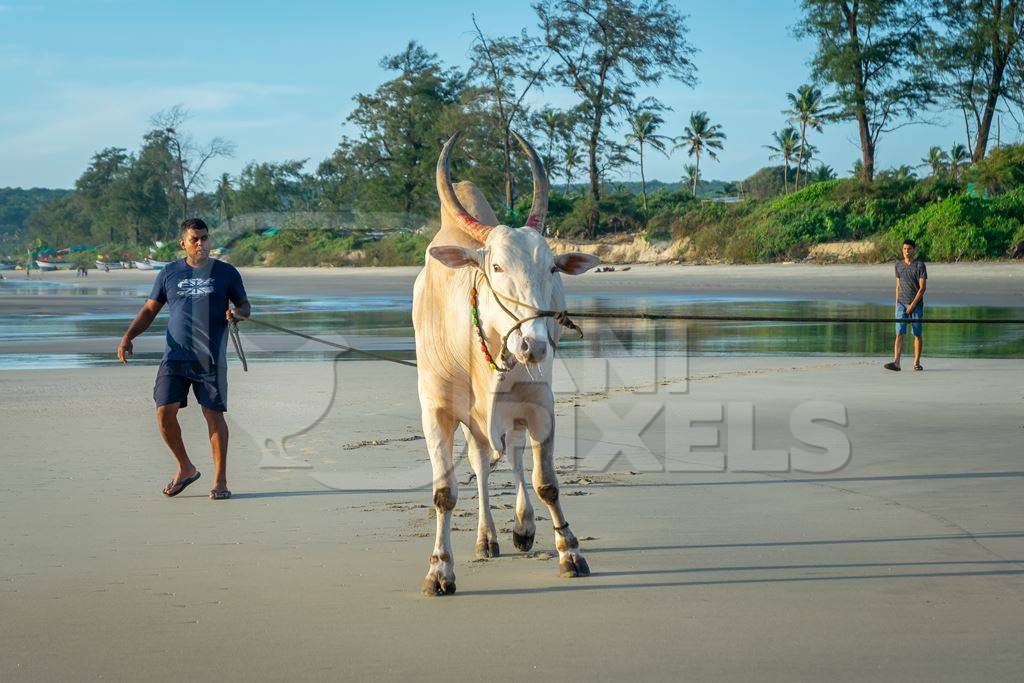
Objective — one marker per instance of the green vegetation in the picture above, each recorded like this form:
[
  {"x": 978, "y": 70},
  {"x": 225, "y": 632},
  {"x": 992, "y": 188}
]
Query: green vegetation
[
  {"x": 16, "y": 205},
  {"x": 947, "y": 223},
  {"x": 328, "y": 248}
]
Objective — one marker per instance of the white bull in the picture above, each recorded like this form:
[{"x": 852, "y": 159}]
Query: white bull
[{"x": 465, "y": 379}]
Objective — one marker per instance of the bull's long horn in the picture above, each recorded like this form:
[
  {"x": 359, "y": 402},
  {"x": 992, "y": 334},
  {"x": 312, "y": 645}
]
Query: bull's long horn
[
  {"x": 540, "y": 185},
  {"x": 450, "y": 201}
]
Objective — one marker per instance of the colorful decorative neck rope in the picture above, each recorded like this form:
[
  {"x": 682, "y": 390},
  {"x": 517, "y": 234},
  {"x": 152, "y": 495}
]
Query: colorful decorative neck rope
[{"x": 474, "y": 310}]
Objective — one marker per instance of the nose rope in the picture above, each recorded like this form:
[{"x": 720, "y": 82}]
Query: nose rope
[{"x": 560, "y": 317}]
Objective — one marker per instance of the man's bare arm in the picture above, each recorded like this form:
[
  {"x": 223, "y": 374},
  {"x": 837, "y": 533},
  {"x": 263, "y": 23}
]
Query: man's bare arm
[
  {"x": 921, "y": 284},
  {"x": 142, "y": 321}
]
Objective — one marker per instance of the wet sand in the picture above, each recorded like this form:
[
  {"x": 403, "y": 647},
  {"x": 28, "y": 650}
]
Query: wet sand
[{"x": 905, "y": 564}]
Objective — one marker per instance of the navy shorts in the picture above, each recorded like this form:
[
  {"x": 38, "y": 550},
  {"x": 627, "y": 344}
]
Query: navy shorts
[
  {"x": 914, "y": 318},
  {"x": 174, "y": 378}
]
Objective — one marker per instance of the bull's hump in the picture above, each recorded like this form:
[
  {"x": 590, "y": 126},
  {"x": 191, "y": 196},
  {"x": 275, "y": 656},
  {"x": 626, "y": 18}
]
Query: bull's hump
[{"x": 474, "y": 201}]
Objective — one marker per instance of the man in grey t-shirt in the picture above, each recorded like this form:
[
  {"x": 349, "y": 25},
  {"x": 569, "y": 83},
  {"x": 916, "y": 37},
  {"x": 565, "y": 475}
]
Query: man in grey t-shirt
[{"x": 911, "y": 279}]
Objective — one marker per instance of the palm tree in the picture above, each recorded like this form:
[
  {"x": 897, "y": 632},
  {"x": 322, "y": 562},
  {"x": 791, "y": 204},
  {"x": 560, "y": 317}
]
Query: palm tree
[
  {"x": 822, "y": 173},
  {"x": 787, "y": 148},
  {"x": 936, "y": 160},
  {"x": 902, "y": 172},
  {"x": 689, "y": 174},
  {"x": 809, "y": 108},
  {"x": 223, "y": 196},
  {"x": 699, "y": 137},
  {"x": 958, "y": 158},
  {"x": 804, "y": 157},
  {"x": 857, "y": 170},
  {"x": 571, "y": 160},
  {"x": 553, "y": 121},
  {"x": 644, "y": 125}
]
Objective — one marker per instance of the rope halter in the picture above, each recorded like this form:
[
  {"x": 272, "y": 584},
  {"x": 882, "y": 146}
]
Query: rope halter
[{"x": 560, "y": 317}]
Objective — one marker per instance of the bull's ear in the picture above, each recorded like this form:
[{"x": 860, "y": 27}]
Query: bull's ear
[
  {"x": 456, "y": 257},
  {"x": 575, "y": 263}
]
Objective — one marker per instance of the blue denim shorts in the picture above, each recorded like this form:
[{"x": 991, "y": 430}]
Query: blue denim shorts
[
  {"x": 209, "y": 383},
  {"x": 916, "y": 314}
]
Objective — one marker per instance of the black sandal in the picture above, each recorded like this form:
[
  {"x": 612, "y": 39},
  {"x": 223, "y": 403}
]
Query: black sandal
[
  {"x": 892, "y": 366},
  {"x": 918, "y": 367},
  {"x": 182, "y": 485}
]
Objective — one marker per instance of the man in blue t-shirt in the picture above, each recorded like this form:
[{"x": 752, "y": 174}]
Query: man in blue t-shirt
[{"x": 196, "y": 290}]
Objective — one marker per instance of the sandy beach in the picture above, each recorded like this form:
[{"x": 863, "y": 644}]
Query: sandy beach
[{"x": 905, "y": 561}]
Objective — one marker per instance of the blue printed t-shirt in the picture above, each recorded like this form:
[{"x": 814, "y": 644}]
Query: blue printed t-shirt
[{"x": 197, "y": 299}]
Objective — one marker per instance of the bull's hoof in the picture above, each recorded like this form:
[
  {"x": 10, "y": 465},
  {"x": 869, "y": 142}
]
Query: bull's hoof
[
  {"x": 434, "y": 586},
  {"x": 572, "y": 566},
  {"x": 522, "y": 542},
  {"x": 486, "y": 550}
]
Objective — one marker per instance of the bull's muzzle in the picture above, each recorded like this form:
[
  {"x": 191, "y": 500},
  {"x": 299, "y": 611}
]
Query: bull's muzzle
[{"x": 532, "y": 350}]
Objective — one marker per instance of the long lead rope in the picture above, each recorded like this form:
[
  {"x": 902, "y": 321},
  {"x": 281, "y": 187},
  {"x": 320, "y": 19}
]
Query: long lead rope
[
  {"x": 793, "y": 319},
  {"x": 238, "y": 343},
  {"x": 564, "y": 318}
]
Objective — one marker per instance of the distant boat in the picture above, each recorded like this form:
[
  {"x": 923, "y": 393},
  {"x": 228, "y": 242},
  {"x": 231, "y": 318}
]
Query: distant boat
[
  {"x": 109, "y": 265},
  {"x": 6, "y": 266},
  {"x": 150, "y": 264},
  {"x": 52, "y": 265}
]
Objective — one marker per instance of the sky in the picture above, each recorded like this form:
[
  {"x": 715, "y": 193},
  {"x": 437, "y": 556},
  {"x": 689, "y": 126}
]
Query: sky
[{"x": 278, "y": 79}]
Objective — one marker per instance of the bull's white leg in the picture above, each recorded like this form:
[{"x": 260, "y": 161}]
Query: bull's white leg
[
  {"x": 525, "y": 528},
  {"x": 439, "y": 431},
  {"x": 571, "y": 562},
  {"x": 480, "y": 461}
]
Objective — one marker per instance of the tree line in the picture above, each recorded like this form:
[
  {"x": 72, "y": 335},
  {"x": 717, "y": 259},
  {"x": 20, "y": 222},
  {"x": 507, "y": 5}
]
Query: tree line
[{"x": 877, "y": 64}]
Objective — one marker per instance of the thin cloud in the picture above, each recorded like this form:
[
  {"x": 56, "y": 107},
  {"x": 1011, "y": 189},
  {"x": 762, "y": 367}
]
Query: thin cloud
[{"x": 73, "y": 121}]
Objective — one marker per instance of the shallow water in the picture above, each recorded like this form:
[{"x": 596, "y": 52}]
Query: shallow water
[{"x": 383, "y": 324}]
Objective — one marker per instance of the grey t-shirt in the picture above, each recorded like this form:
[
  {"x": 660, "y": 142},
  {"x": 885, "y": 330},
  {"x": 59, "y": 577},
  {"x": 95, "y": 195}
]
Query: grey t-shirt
[{"x": 908, "y": 275}]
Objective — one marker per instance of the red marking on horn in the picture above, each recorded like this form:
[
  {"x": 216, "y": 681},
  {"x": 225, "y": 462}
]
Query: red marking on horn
[
  {"x": 450, "y": 201},
  {"x": 473, "y": 227},
  {"x": 539, "y": 209}
]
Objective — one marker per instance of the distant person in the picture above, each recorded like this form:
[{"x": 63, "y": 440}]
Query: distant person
[
  {"x": 197, "y": 290},
  {"x": 911, "y": 281}
]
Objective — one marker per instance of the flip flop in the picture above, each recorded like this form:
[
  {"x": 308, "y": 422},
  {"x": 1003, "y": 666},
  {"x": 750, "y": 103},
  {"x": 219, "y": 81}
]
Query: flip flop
[
  {"x": 182, "y": 485},
  {"x": 219, "y": 494},
  {"x": 918, "y": 367},
  {"x": 891, "y": 366}
]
